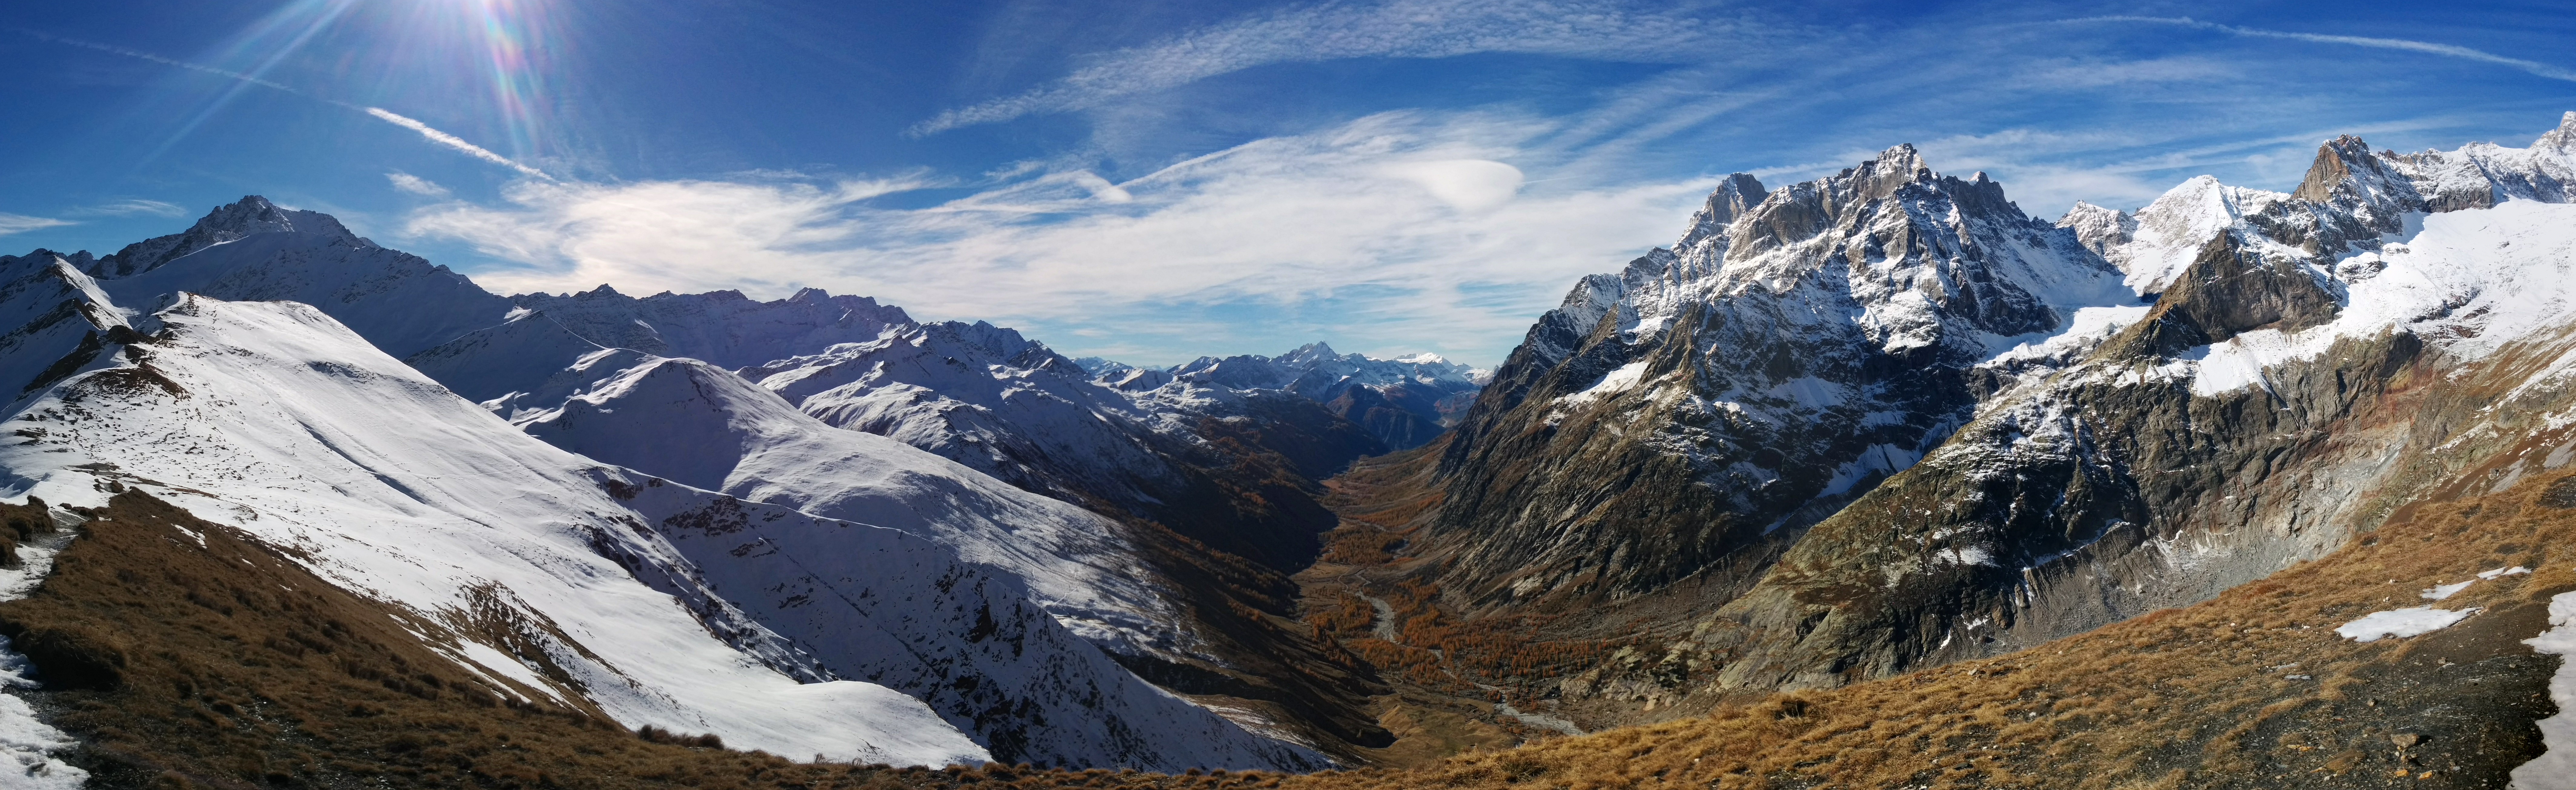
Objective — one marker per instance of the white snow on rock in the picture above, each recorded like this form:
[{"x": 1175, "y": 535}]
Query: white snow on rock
[
  {"x": 27, "y": 744},
  {"x": 2441, "y": 591},
  {"x": 2169, "y": 233},
  {"x": 279, "y": 420},
  {"x": 2471, "y": 281},
  {"x": 699, "y": 425},
  {"x": 2555, "y": 768},
  {"x": 985, "y": 397},
  {"x": 1618, "y": 380},
  {"x": 49, "y": 312},
  {"x": 2401, "y": 623},
  {"x": 399, "y": 302}
]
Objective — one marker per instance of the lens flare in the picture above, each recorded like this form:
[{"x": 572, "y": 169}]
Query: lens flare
[
  {"x": 510, "y": 31},
  {"x": 480, "y": 63},
  {"x": 281, "y": 34}
]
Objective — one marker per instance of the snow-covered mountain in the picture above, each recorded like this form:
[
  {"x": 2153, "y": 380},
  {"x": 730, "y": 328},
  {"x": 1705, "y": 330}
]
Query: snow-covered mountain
[
  {"x": 275, "y": 418},
  {"x": 1798, "y": 346},
  {"x": 693, "y": 423},
  {"x": 985, "y": 397},
  {"x": 724, "y": 328},
  {"x": 1884, "y": 419},
  {"x": 1038, "y": 696},
  {"x": 1005, "y": 644},
  {"x": 1404, "y": 402},
  {"x": 253, "y": 251}
]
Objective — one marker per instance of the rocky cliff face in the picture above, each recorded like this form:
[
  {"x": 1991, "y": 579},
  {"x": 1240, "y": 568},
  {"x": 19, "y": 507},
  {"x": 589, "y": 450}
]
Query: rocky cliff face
[
  {"x": 1704, "y": 407},
  {"x": 1884, "y": 420}
]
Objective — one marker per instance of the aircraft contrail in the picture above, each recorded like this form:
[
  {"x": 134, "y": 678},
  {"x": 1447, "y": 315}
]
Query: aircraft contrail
[
  {"x": 388, "y": 116},
  {"x": 2536, "y": 68}
]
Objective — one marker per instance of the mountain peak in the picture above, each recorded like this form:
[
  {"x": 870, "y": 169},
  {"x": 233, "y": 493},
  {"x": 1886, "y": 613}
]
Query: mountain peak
[
  {"x": 2337, "y": 160},
  {"x": 1308, "y": 353},
  {"x": 2562, "y": 138},
  {"x": 1902, "y": 159},
  {"x": 1735, "y": 196},
  {"x": 250, "y": 216},
  {"x": 256, "y": 214}
]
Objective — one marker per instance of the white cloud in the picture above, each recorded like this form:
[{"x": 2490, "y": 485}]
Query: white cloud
[
  {"x": 21, "y": 223},
  {"x": 1465, "y": 184},
  {"x": 416, "y": 185},
  {"x": 130, "y": 207},
  {"x": 1404, "y": 225},
  {"x": 1332, "y": 31}
]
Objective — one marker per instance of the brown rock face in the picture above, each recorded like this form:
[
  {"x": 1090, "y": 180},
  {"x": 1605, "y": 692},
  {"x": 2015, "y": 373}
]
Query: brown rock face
[{"x": 2226, "y": 293}]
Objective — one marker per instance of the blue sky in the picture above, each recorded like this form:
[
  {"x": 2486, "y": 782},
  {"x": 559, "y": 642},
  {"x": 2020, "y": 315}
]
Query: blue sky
[{"x": 1153, "y": 180}]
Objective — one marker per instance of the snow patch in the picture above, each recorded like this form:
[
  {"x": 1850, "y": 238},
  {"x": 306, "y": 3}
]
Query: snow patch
[
  {"x": 2550, "y": 770},
  {"x": 27, "y": 744},
  {"x": 1617, "y": 381},
  {"x": 2401, "y": 623},
  {"x": 2441, "y": 591}
]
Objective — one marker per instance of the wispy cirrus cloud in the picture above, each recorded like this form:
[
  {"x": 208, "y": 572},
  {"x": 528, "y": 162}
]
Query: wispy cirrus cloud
[
  {"x": 416, "y": 185},
  {"x": 1397, "y": 232},
  {"x": 2535, "y": 68},
  {"x": 130, "y": 207},
  {"x": 21, "y": 223},
  {"x": 1338, "y": 30}
]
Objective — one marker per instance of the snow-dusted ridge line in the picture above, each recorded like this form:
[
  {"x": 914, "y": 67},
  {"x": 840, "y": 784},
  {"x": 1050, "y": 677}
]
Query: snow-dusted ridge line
[
  {"x": 307, "y": 437},
  {"x": 693, "y": 423}
]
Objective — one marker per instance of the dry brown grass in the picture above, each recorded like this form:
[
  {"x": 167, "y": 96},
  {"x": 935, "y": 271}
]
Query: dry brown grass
[
  {"x": 2194, "y": 697},
  {"x": 18, "y": 524}
]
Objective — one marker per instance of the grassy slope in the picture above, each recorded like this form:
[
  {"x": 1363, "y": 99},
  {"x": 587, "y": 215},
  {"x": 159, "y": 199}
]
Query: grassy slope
[{"x": 2193, "y": 697}]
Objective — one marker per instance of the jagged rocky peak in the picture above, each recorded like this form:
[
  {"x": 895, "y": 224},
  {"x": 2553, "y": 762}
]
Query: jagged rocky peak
[
  {"x": 2337, "y": 161},
  {"x": 2099, "y": 229},
  {"x": 249, "y": 216},
  {"x": 2349, "y": 200},
  {"x": 1825, "y": 338},
  {"x": 2561, "y": 139},
  {"x": 1739, "y": 193}
]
